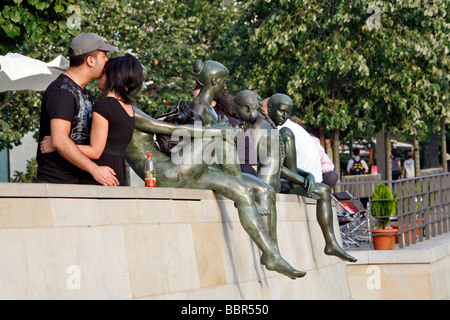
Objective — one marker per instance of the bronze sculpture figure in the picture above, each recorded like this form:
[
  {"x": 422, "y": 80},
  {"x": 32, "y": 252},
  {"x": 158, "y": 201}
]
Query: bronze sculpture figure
[
  {"x": 202, "y": 176},
  {"x": 248, "y": 105},
  {"x": 211, "y": 77}
]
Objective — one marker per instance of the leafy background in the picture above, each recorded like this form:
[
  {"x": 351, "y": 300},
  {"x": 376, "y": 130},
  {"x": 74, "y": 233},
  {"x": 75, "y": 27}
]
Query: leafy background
[{"x": 353, "y": 68}]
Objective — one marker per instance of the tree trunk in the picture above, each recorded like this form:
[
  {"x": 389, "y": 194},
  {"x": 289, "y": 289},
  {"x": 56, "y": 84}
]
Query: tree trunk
[
  {"x": 431, "y": 152},
  {"x": 381, "y": 154},
  {"x": 443, "y": 146},
  {"x": 416, "y": 156},
  {"x": 388, "y": 156},
  {"x": 322, "y": 136},
  {"x": 336, "y": 159}
]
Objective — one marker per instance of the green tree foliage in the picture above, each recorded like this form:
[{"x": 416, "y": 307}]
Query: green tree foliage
[
  {"x": 304, "y": 49},
  {"x": 20, "y": 114},
  {"x": 357, "y": 67},
  {"x": 23, "y": 22},
  {"x": 408, "y": 59},
  {"x": 34, "y": 28},
  {"x": 348, "y": 65},
  {"x": 166, "y": 36},
  {"x": 29, "y": 175}
]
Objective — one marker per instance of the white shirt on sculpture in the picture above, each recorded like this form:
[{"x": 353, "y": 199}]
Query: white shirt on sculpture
[{"x": 308, "y": 158}]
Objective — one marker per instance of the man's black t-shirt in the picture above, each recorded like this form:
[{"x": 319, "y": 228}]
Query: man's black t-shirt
[{"x": 64, "y": 99}]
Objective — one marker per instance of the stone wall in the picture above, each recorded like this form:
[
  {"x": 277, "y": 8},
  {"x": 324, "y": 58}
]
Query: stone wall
[
  {"x": 92, "y": 242},
  {"x": 418, "y": 272}
]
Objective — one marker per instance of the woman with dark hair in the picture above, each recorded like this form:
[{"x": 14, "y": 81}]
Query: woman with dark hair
[
  {"x": 113, "y": 115},
  {"x": 224, "y": 106}
]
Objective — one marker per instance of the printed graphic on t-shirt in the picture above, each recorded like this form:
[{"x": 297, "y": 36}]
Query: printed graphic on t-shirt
[
  {"x": 80, "y": 130},
  {"x": 82, "y": 120}
]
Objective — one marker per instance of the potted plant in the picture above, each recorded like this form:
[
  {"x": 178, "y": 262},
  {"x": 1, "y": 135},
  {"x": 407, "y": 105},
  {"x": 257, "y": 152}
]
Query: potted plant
[{"x": 383, "y": 206}]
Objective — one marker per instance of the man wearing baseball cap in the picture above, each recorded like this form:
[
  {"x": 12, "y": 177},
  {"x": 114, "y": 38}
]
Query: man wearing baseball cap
[{"x": 66, "y": 115}]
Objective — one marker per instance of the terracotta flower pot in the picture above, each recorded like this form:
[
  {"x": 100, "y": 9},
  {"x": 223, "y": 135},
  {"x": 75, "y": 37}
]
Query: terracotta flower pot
[{"x": 383, "y": 239}]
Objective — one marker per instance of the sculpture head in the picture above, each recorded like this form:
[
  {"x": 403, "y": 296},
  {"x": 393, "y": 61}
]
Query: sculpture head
[
  {"x": 247, "y": 105},
  {"x": 280, "y": 107},
  {"x": 210, "y": 75}
]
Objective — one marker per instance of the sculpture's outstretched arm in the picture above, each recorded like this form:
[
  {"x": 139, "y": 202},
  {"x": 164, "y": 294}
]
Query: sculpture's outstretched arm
[{"x": 147, "y": 124}]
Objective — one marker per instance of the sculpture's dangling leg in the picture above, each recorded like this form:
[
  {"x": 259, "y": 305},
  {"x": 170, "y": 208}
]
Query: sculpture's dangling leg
[
  {"x": 265, "y": 196},
  {"x": 325, "y": 219},
  {"x": 251, "y": 221}
]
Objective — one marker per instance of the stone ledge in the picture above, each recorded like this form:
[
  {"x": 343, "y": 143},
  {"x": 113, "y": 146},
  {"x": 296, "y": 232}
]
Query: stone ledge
[
  {"x": 154, "y": 243},
  {"x": 43, "y": 190},
  {"x": 419, "y": 272}
]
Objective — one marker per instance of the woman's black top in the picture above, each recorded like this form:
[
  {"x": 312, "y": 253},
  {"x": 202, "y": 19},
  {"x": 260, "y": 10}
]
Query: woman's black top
[{"x": 120, "y": 131}]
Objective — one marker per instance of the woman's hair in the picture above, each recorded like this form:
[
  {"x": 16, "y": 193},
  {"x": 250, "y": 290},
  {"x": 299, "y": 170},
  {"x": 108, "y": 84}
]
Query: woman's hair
[
  {"x": 124, "y": 76},
  {"x": 395, "y": 153},
  {"x": 226, "y": 103}
]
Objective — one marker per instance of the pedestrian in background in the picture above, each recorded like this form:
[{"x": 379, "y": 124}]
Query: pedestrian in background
[
  {"x": 396, "y": 165},
  {"x": 408, "y": 167},
  {"x": 357, "y": 165}
]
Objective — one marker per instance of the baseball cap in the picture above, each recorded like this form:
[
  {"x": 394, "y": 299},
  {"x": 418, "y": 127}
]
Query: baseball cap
[{"x": 87, "y": 42}]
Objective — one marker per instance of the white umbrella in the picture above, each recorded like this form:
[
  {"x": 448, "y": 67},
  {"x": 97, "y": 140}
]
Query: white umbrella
[{"x": 18, "y": 72}]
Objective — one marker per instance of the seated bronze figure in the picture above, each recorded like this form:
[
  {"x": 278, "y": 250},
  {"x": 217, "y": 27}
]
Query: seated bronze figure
[
  {"x": 211, "y": 77},
  {"x": 202, "y": 176},
  {"x": 273, "y": 168}
]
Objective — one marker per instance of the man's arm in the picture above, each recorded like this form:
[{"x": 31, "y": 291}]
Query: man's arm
[
  {"x": 365, "y": 166},
  {"x": 60, "y": 130},
  {"x": 349, "y": 165}
]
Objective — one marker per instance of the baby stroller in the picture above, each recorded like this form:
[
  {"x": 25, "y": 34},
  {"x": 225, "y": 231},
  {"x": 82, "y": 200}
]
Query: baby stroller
[{"x": 353, "y": 219}]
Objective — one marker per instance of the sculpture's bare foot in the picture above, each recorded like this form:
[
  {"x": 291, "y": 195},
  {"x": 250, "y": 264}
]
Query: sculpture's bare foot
[
  {"x": 336, "y": 250},
  {"x": 281, "y": 266}
]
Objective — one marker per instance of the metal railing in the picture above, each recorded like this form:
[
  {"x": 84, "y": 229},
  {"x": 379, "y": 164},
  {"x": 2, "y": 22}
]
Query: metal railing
[{"x": 423, "y": 205}]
